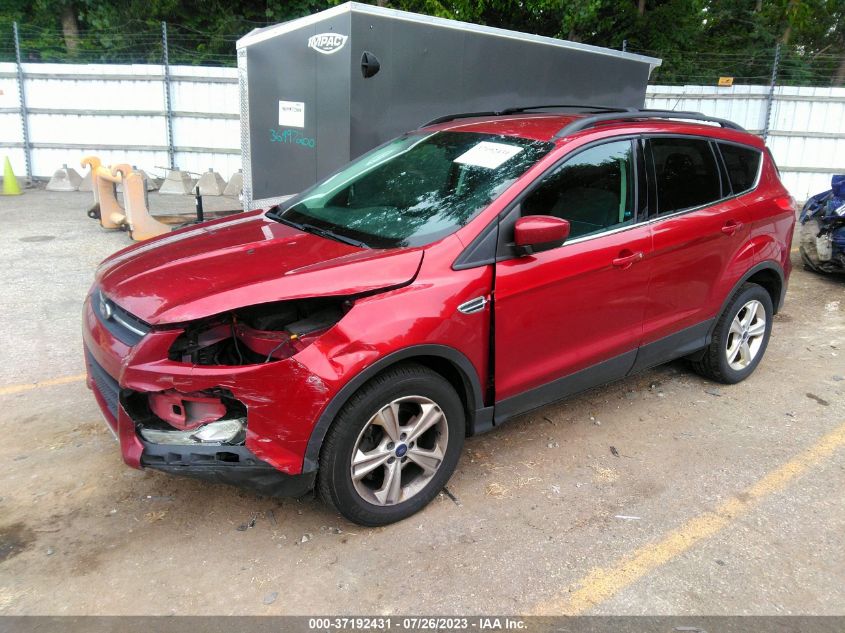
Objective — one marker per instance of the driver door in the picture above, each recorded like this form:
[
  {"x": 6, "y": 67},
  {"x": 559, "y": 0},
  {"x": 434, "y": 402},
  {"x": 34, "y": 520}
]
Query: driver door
[{"x": 569, "y": 318}]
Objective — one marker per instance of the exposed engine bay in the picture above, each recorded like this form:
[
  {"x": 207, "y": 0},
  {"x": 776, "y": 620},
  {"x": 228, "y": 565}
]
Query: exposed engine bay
[
  {"x": 247, "y": 336},
  {"x": 258, "y": 334}
]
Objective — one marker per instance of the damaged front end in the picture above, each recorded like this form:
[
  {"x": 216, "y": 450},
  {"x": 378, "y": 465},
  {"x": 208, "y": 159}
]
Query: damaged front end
[
  {"x": 212, "y": 351},
  {"x": 222, "y": 399},
  {"x": 258, "y": 334},
  {"x": 186, "y": 419},
  {"x": 822, "y": 233},
  {"x": 202, "y": 435}
]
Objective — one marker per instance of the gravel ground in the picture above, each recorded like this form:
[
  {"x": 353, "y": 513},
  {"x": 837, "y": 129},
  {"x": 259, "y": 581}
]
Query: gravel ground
[{"x": 537, "y": 505}]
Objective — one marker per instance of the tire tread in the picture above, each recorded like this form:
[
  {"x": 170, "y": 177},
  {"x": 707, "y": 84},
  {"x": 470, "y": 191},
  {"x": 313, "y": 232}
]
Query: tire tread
[
  {"x": 709, "y": 365},
  {"x": 331, "y": 447}
]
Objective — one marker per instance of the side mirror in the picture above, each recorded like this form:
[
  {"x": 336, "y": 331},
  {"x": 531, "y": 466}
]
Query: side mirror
[{"x": 535, "y": 233}]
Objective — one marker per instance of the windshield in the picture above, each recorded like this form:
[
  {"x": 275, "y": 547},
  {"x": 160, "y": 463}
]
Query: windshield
[{"x": 413, "y": 190}]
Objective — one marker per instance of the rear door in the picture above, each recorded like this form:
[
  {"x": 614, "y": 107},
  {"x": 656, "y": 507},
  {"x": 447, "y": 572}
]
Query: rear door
[
  {"x": 699, "y": 234},
  {"x": 571, "y": 317},
  {"x": 743, "y": 166}
]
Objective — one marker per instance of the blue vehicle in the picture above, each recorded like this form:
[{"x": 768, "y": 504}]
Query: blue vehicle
[{"x": 822, "y": 234}]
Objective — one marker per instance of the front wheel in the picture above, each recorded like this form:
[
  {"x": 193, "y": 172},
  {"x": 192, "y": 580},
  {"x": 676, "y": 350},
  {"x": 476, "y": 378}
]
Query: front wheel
[
  {"x": 393, "y": 446},
  {"x": 740, "y": 337}
]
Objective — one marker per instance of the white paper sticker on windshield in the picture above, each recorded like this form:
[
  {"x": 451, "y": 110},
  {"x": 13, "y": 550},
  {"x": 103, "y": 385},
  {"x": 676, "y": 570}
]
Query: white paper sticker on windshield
[{"x": 489, "y": 155}]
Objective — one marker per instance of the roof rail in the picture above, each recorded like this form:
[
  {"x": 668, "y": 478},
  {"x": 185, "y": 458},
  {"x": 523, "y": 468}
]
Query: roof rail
[
  {"x": 463, "y": 115},
  {"x": 591, "y": 121},
  {"x": 507, "y": 111}
]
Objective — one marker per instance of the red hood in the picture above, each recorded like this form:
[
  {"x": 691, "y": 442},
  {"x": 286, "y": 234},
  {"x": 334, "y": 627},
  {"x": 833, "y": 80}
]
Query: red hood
[{"x": 243, "y": 260}]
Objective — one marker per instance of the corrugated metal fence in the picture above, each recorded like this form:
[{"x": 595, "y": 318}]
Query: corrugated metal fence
[{"x": 119, "y": 113}]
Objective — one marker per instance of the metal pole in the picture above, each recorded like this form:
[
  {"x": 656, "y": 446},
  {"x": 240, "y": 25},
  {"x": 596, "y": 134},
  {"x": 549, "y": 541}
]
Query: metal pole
[
  {"x": 27, "y": 149},
  {"x": 624, "y": 46},
  {"x": 168, "y": 109},
  {"x": 198, "y": 204},
  {"x": 770, "y": 99}
]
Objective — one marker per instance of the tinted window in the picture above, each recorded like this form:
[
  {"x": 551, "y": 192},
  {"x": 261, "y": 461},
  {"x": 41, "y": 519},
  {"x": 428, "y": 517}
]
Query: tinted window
[
  {"x": 594, "y": 190},
  {"x": 413, "y": 190},
  {"x": 742, "y": 164},
  {"x": 687, "y": 175}
]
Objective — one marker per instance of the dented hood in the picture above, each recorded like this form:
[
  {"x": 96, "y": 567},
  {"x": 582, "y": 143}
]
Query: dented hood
[{"x": 243, "y": 260}]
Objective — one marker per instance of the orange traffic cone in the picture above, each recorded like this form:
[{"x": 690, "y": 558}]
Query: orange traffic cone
[{"x": 11, "y": 187}]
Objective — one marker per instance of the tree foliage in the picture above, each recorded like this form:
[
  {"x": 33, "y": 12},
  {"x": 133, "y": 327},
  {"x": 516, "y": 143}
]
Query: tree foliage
[{"x": 699, "y": 40}]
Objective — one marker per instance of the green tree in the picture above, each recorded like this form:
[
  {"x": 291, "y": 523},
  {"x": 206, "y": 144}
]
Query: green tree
[{"x": 699, "y": 40}]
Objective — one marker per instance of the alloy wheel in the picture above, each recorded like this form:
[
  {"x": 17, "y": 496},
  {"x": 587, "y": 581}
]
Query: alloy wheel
[
  {"x": 399, "y": 450},
  {"x": 746, "y": 335}
]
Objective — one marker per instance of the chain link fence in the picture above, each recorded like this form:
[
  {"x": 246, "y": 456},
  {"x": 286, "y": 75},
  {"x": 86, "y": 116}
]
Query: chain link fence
[
  {"x": 789, "y": 65},
  {"x": 139, "y": 42},
  {"x": 135, "y": 42}
]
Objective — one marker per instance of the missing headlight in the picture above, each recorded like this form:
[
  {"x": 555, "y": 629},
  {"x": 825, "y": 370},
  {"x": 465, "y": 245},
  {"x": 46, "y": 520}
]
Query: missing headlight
[{"x": 258, "y": 334}]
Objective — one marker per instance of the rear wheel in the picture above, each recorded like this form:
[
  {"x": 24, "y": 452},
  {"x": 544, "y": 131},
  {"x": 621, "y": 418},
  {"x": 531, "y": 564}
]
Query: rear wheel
[
  {"x": 740, "y": 337},
  {"x": 393, "y": 446}
]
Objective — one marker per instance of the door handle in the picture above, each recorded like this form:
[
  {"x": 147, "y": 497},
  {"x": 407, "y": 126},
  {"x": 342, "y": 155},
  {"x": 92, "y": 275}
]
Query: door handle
[
  {"x": 731, "y": 227},
  {"x": 627, "y": 259}
]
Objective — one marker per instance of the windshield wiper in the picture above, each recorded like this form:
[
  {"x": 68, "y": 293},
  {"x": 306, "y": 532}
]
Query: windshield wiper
[
  {"x": 316, "y": 230},
  {"x": 332, "y": 235}
]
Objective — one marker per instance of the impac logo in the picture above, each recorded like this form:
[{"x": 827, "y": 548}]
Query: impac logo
[{"x": 327, "y": 43}]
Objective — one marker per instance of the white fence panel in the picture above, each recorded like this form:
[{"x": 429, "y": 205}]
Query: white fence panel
[
  {"x": 206, "y": 106},
  {"x": 118, "y": 113},
  {"x": 745, "y": 105}
]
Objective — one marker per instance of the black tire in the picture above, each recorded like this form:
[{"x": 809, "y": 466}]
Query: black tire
[
  {"x": 334, "y": 477},
  {"x": 714, "y": 364}
]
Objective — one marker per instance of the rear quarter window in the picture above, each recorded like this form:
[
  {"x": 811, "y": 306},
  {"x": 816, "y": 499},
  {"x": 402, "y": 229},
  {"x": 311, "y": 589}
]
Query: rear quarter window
[
  {"x": 686, "y": 172},
  {"x": 742, "y": 164}
]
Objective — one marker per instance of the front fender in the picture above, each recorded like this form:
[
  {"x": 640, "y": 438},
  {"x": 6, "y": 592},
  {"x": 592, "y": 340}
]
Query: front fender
[
  {"x": 420, "y": 320},
  {"x": 469, "y": 375}
]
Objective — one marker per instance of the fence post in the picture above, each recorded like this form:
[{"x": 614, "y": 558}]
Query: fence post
[
  {"x": 168, "y": 108},
  {"x": 770, "y": 99},
  {"x": 27, "y": 149}
]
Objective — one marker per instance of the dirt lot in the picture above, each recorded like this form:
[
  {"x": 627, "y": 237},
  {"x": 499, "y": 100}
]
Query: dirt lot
[{"x": 721, "y": 500}]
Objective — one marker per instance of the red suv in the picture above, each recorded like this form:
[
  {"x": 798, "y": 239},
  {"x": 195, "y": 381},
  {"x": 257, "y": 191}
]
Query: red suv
[{"x": 464, "y": 273}]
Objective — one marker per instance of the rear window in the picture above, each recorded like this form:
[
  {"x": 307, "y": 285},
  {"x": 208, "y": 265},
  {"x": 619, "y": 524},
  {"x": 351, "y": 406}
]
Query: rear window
[
  {"x": 687, "y": 174},
  {"x": 742, "y": 164}
]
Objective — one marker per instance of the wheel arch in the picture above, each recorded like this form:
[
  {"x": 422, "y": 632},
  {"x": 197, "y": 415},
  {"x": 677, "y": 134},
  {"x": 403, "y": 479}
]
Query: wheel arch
[
  {"x": 444, "y": 360},
  {"x": 769, "y": 275},
  {"x": 772, "y": 280}
]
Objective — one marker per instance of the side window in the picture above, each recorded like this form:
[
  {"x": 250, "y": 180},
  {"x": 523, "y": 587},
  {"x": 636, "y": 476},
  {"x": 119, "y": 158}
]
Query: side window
[
  {"x": 742, "y": 164},
  {"x": 594, "y": 190},
  {"x": 687, "y": 174}
]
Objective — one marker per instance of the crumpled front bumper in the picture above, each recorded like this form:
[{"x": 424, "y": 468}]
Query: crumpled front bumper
[
  {"x": 283, "y": 401},
  {"x": 234, "y": 465}
]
